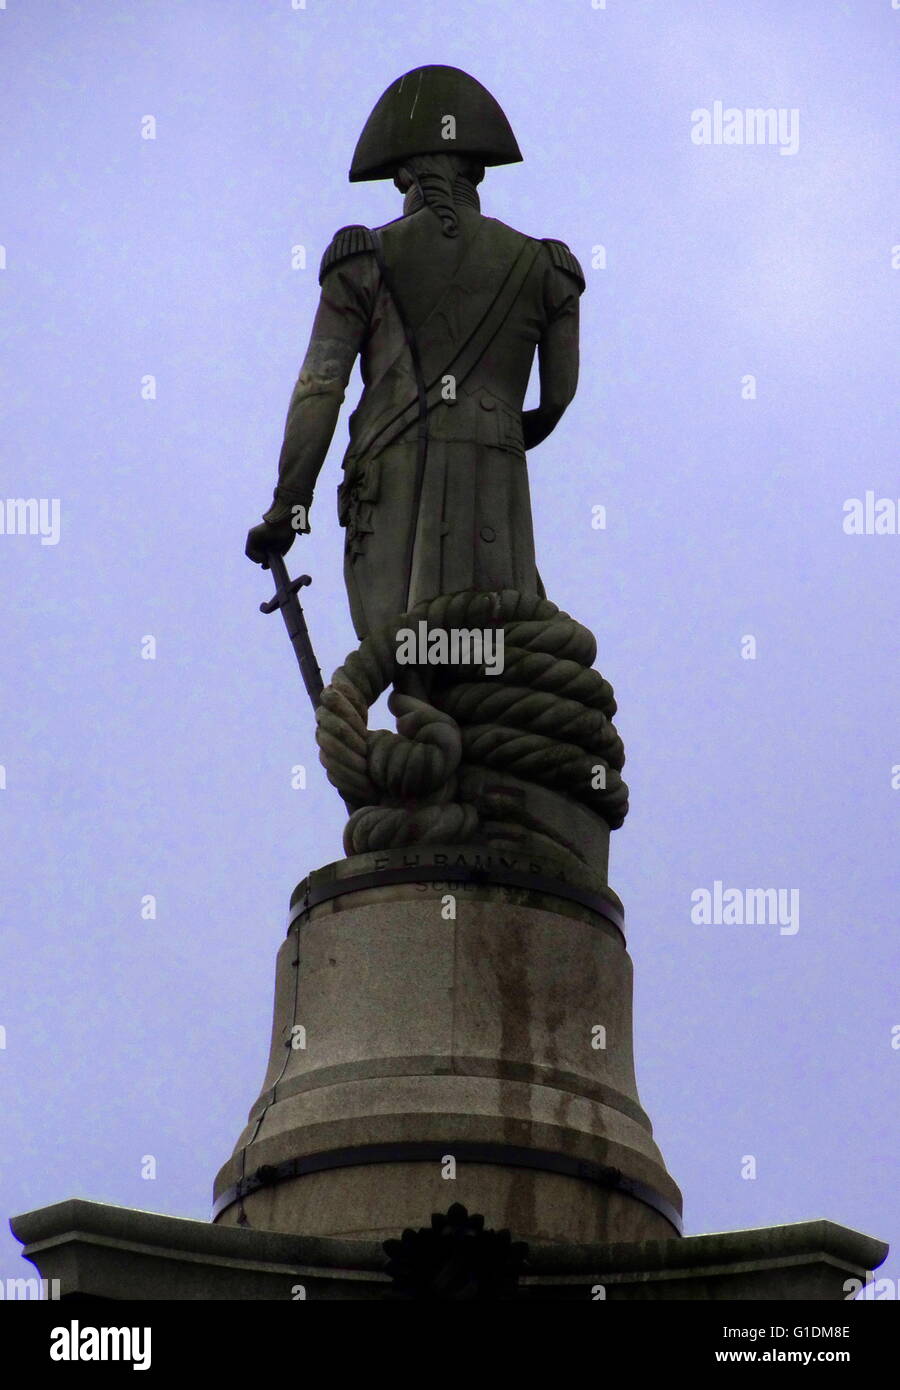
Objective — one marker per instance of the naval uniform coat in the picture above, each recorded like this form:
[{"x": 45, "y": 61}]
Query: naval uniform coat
[{"x": 504, "y": 295}]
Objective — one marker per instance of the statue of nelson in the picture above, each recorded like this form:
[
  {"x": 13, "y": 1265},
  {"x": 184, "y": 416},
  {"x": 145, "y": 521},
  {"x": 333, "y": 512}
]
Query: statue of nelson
[{"x": 446, "y": 308}]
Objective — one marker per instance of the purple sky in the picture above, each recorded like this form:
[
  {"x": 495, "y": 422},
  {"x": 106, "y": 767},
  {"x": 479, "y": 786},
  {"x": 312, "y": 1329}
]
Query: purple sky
[{"x": 127, "y": 258}]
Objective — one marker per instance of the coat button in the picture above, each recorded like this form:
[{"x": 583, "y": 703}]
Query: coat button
[
  {"x": 487, "y": 402},
  {"x": 488, "y": 533}
]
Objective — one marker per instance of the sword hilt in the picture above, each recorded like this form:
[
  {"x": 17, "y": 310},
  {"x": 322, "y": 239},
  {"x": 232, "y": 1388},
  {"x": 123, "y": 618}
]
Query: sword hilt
[{"x": 283, "y": 592}]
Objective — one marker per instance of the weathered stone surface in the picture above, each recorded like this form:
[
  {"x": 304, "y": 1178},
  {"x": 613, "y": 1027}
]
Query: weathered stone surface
[
  {"x": 118, "y": 1253},
  {"x": 475, "y": 1036}
]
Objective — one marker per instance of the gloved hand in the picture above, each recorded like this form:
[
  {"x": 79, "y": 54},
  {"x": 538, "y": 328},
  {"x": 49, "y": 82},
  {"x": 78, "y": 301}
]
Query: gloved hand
[{"x": 282, "y": 523}]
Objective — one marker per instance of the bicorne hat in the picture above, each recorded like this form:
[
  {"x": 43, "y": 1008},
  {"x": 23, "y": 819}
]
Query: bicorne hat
[{"x": 432, "y": 110}]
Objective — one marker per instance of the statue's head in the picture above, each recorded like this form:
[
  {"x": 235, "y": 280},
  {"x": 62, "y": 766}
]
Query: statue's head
[
  {"x": 433, "y": 129},
  {"x": 439, "y": 182}
]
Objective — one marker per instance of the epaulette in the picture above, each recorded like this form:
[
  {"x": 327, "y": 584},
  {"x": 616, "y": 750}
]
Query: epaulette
[
  {"x": 563, "y": 259},
  {"x": 348, "y": 241}
]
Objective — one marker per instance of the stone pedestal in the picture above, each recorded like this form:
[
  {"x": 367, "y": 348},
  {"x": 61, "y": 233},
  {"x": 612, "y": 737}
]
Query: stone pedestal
[
  {"x": 429, "y": 1038},
  {"x": 448, "y": 1032},
  {"x": 106, "y": 1252}
]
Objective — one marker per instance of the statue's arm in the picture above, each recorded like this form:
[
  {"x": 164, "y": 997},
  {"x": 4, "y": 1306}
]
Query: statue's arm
[
  {"x": 338, "y": 332},
  {"x": 558, "y": 348}
]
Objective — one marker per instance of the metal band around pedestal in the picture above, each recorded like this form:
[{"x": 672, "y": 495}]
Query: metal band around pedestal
[
  {"x": 430, "y": 1151},
  {"x": 315, "y": 893}
]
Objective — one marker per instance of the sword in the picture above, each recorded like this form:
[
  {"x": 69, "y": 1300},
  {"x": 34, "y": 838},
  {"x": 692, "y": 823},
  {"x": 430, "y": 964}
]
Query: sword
[
  {"x": 285, "y": 598},
  {"x": 292, "y": 613}
]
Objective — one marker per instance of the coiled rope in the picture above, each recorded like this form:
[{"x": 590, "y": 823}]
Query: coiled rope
[{"x": 546, "y": 719}]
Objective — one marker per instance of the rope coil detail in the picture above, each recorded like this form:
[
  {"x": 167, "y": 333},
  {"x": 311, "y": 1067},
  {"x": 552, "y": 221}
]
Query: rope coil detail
[{"x": 546, "y": 719}]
